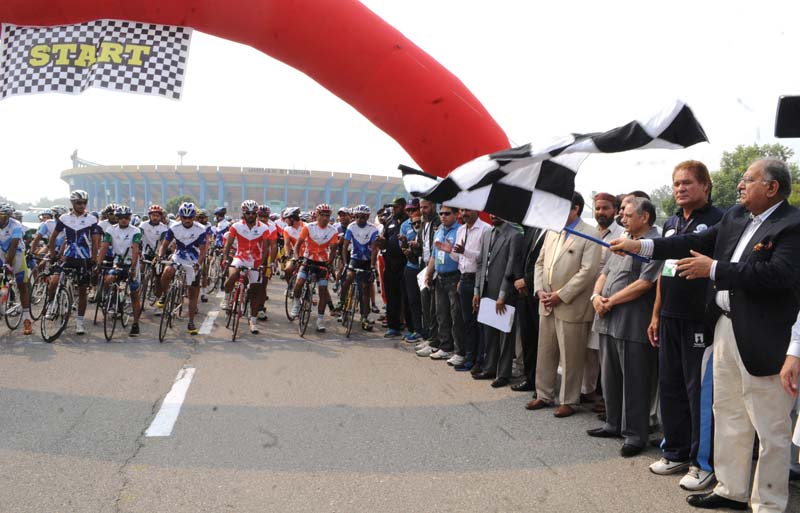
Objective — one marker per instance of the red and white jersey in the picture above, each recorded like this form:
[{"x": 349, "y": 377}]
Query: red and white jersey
[
  {"x": 272, "y": 230},
  {"x": 249, "y": 241},
  {"x": 291, "y": 234},
  {"x": 319, "y": 241}
]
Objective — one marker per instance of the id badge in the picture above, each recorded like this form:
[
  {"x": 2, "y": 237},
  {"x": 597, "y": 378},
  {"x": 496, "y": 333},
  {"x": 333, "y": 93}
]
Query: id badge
[
  {"x": 670, "y": 268},
  {"x": 440, "y": 257}
]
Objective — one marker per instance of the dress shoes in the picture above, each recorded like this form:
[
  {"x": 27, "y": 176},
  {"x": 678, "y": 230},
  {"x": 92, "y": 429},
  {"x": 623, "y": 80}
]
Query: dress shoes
[
  {"x": 523, "y": 386},
  {"x": 500, "y": 383},
  {"x": 476, "y": 369},
  {"x": 537, "y": 404},
  {"x": 602, "y": 433},
  {"x": 794, "y": 475},
  {"x": 564, "y": 410},
  {"x": 588, "y": 398},
  {"x": 599, "y": 407},
  {"x": 483, "y": 375},
  {"x": 629, "y": 450},
  {"x": 711, "y": 500}
]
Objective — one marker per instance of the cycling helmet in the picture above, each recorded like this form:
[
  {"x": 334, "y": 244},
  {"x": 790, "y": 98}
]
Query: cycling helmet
[
  {"x": 291, "y": 211},
  {"x": 220, "y": 211},
  {"x": 79, "y": 195},
  {"x": 110, "y": 209},
  {"x": 249, "y": 206},
  {"x": 323, "y": 208},
  {"x": 171, "y": 216},
  {"x": 342, "y": 210},
  {"x": 187, "y": 210},
  {"x": 202, "y": 212},
  {"x": 155, "y": 209},
  {"x": 274, "y": 217},
  {"x": 18, "y": 215},
  {"x": 95, "y": 213},
  {"x": 305, "y": 217},
  {"x": 123, "y": 210},
  {"x": 136, "y": 220},
  {"x": 264, "y": 210},
  {"x": 6, "y": 209},
  {"x": 57, "y": 211},
  {"x": 361, "y": 209}
]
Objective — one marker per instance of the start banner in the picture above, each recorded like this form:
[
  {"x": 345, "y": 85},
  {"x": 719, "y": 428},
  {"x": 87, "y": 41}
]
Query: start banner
[{"x": 111, "y": 54}]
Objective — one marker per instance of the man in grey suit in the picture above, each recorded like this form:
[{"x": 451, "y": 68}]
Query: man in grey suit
[{"x": 499, "y": 265}]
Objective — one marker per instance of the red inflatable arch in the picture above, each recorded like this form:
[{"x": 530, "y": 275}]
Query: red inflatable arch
[{"x": 341, "y": 44}]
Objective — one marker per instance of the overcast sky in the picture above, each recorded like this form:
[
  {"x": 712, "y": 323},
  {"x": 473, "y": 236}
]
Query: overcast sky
[{"x": 542, "y": 69}]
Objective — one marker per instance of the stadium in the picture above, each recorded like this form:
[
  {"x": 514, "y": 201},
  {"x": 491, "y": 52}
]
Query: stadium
[{"x": 212, "y": 186}]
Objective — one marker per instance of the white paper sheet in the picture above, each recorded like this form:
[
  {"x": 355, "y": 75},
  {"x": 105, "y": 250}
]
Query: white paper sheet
[
  {"x": 487, "y": 314},
  {"x": 421, "y": 279}
]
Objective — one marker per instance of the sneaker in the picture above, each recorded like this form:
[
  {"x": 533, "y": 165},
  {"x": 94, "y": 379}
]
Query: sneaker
[
  {"x": 203, "y": 298},
  {"x": 253, "y": 327},
  {"x": 665, "y": 467},
  {"x": 697, "y": 479},
  {"x": 223, "y": 305},
  {"x": 320, "y": 325},
  {"x": 262, "y": 315},
  {"x": 412, "y": 338},
  {"x": 426, "y": 351},
  {"x": 27, "y": 327},
  {"x": 375, "y": 309},
  {"x": 464, "y": 367},
  {"x": 160, "y": 304},
  {"x": 191, "y": 328},
  {"x": 295, "y": 310},
  {"x": 441, "y": 355},
  {"x": 134, "y": 330},
  {"x": 390, "y": 333},
  {"x": 455, "y": 360},
  {"x": 366, "y": 325},
  {"x": 80, "y": 329},
  {"x": 422, "y": 345}
]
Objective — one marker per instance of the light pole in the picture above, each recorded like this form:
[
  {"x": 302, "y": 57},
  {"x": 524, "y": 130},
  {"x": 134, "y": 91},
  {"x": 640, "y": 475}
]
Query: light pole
[{"x": 182, "y": 154}]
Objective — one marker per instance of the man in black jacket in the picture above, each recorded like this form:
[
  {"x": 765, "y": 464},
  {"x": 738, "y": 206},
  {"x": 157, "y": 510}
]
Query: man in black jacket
[
  {"x": 754, "y": 271},
  {"x": 528, "y": 309}
]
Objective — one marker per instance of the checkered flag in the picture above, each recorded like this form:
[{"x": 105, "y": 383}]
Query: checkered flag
[
  {"x": 117, "y": 55},
  {"x": 534, "y": 186}
]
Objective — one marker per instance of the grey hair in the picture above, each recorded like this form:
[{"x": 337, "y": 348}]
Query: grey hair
[
  {"x": 776, "y": 169},
  {"x": 642, "y": 205}
]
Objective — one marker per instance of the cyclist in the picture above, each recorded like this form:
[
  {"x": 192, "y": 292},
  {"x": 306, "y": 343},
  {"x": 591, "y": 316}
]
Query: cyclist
[
  {"x": 152, "y": 234},
  {"x": 252, "y": 244},
  {"x": 221, "y": 225},
  {"x": 46, "y": 229},
  {"x": 319, "y": 236},
  {"x": 264, "y": 216},
  {"x": 82, "y": 241},
  {"x": 125, "y": 241},
  {"x": 12, "y": 255},
  {"x": 190, "y": 249},
  {"x": 202, "y": 218},
  {"x": 290, "y": 235},
  {"x": 360, "y": 239}
]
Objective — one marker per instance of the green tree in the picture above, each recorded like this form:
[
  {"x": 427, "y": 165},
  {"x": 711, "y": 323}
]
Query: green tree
[
  {"x": 175, "y": 202},
  {"x": 794, "y": 199},
  {"x": 664, "y": 202},
  {"x": 734, "y": 163}
]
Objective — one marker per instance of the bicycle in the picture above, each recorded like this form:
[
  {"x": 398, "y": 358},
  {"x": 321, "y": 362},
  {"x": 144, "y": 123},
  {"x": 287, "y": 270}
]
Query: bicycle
[
  {"x": 307, "y": 297},
  {"x": 10, "y": 307},
  {"x": 38, "y": 293},
  {"x": 116, "y": 306},
  {"x": 288, "y": 296},
  {"x": 240, "y": 300},
  {"x": 58, "y": 308},
  {"x": 173, "y": 299},
  {"x": 352, "y": 302},
  {"x": 216, "y": 277}
]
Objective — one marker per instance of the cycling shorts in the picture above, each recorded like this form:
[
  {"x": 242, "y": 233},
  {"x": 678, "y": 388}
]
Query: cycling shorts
[{"x": 318, "y": 269}]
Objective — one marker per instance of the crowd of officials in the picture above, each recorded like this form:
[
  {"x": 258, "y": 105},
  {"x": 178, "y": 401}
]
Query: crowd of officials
[{"x": 681, "y": 336}]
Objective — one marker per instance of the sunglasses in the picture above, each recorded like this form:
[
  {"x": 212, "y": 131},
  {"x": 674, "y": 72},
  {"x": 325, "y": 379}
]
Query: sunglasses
[
  {"x": 124, "y": 217},
  {"x": 79, "y": 203},
  {"x": 416, "y": 224},
  {"x": 445, "y": 213}
]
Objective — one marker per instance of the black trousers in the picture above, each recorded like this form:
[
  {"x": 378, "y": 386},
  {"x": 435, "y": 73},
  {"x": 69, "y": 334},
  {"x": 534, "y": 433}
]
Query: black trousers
[
  {"x": 414, "y": 310},
  {"x": 680, "y": 361},
  {"x": 528, "y": 322},
  {"x": 395, "y": 290}
]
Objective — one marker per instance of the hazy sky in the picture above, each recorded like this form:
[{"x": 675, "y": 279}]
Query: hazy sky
[{"x": 542, "y": 69}]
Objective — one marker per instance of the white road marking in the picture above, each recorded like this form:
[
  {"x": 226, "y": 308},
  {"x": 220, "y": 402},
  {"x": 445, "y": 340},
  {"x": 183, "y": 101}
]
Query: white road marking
[
  {"x": 208, "y": 323},
  {"x": 171, "y": 406}
]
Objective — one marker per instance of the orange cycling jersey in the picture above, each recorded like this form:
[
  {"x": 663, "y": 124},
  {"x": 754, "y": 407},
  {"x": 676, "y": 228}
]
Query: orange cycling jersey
[
  {"x": 319, "y": 241},
  {"x": 290, "y": 236}
]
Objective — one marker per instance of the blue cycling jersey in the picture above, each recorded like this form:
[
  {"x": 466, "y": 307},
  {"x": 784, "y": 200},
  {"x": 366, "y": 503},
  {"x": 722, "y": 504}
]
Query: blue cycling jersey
[
  {"x": 78, "y": 232},
  {"x": 360, "y": 238}
]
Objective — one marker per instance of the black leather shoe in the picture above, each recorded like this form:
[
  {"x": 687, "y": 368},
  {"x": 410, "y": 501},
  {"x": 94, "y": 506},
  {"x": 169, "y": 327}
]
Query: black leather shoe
[
  {"x": 523, "y": 386},
  {"x": 483, "y": 375},
  {"x": 601, "y": 433},
  {"x": 711, "y": 500},
  {"x": 500, "y": 383},
  {"x": 628, "y": 450}
]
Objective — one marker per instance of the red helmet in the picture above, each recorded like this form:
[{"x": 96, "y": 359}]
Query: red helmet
[
  {"x": 323, "y": 208},
  {"x": 155, "y": 209},
  {"x": 249, "y": 206},
  {"x": 264, "y": 210}
]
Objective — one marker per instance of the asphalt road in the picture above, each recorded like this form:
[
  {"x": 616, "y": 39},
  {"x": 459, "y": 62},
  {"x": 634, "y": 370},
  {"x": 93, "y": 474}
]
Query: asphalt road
[{"x": 279, "y": 423}]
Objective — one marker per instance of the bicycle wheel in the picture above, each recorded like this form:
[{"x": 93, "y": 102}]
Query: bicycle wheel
[
  {"x": 213, "y": 275},
  {"x": 153, "y": 287},
  {"x": 237, "y": 310},
  {"x": 125, "y": 306},
  {"x": 144, "y": 285},
  {"x": 13, "y": 313},
  {"x": 234, "y": 297},
  {"x": 98, "y": 302},
  {"x": 38, "y": 298},
  {"x": 353, "y": 303},
  {"x": 166, "y": 316},
  {"x": 305, "y": 309},
  {"x": 110, "y": 308},
  {"x": 288, "y": 298},
  {"x": 58, "y": 310}
]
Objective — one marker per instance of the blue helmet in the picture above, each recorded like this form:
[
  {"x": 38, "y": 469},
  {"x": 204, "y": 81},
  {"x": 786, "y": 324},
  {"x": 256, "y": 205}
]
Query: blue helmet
[
  {"x": 187, "y": 210},
  {"x": 122, "y": 210},
  {"x": 220, "y": 211}
]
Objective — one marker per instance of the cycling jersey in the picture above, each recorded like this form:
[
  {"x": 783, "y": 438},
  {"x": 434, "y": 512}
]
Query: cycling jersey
[
  {"x": 319, "y": 241},
  {"x": 360, "y": 238},
  {"x": 46, "y": 230},
  {"x": 152, "y": 234},
  {"x": 121, "y": 241},
  {"x": 187, "y": 241},
  {"x": 105, "y": 225},
  {"x": 13, "y": 230},
  {"x": 78, "y": 232},
  {"x": 290, "y": 236},
  {"x": 249, "y": 241},
  {"x": 221, "y": 229}
]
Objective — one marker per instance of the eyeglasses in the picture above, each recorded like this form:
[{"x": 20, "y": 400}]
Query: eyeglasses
[
  {"x": 124, "y": 217},
  {"x": 445, "y": 213},
  {"x": 79, "y": 203},
  {"x": 747, "y": 180},
  {"x": 416, "y": 224}
]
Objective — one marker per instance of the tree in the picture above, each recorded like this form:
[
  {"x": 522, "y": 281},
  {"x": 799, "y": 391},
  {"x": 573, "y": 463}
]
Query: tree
[
  {"x": 175, "y": 202},
  {"x": 734, "y": 163},
  {"x": 794, "y": 199},
  {"x": 664, "y": 201}
]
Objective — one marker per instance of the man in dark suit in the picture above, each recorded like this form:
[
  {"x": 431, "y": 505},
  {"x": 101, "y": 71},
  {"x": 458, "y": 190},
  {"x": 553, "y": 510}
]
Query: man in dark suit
[
  {"x": 499, "y": 265},
  {"x": 755, "y": 275},
  {"x": 528, "y": 309}
]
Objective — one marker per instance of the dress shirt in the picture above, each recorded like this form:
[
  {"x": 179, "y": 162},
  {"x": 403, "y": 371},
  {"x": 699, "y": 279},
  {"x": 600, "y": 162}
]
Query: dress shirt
[
  {"x": 794, "y": 344},
  {"x": 470, "y": 238}
]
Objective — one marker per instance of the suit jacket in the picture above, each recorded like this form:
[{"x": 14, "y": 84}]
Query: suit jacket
[
  {"x": 575, "y": 270},
  {"x": 496, "y": 278},
  {"x": 434, "y": 225},
  {"x": 533, "y": 240},
  {"x": 764, "y": 285}
]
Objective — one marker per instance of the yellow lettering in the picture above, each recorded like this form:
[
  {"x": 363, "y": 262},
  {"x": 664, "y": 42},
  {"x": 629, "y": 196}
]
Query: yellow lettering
[
  {"x": 136, "y": 52},
  {"x": 110, "y": 52},
  {"x": 40, "y": 56},
  {"x": 63, "y": 50},
  {"x": 86, "y": 57}
]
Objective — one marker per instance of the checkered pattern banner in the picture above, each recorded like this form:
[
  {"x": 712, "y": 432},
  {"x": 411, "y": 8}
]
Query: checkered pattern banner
[
  {"x": 117, "y": 55},
  {"x": 533, "y": 186}
]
